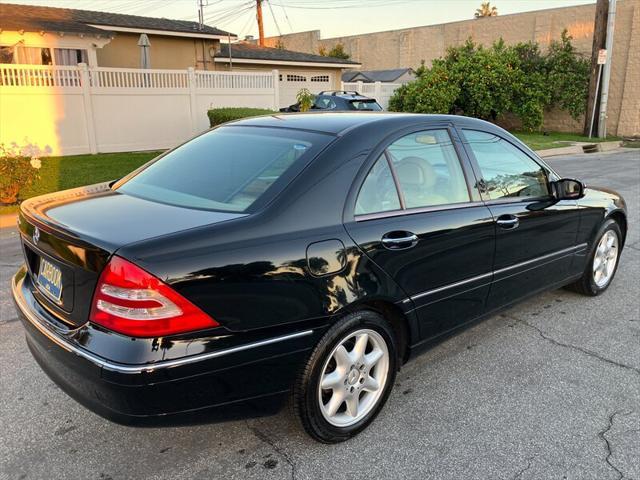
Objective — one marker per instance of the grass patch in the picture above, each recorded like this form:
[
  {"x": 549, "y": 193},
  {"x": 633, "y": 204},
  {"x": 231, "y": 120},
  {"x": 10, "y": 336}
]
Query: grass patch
[
  {"x": 60, "y": 173},
  {"x": 538, "y": 141}
]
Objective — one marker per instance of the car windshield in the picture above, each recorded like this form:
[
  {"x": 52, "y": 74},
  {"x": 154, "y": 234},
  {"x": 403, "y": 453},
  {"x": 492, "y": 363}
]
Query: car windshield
[
  {"x": 226, "y": 169},
  {"x": 365, "y": 105}
]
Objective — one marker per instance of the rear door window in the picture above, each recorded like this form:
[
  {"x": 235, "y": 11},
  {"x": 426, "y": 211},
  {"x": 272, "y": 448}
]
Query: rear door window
[
  {"x": 227, "y": 169},
  {"x": 428, "y": 169}
]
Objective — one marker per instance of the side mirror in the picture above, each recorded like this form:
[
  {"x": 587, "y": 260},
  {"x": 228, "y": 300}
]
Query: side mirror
[{"x": 568, "y": 189}]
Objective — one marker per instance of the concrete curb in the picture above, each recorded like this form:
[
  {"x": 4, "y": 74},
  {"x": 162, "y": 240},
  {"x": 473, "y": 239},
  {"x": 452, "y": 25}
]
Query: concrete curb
[
  {"x": 9, "y": 220},
  {"x": 578, "y": 148}
]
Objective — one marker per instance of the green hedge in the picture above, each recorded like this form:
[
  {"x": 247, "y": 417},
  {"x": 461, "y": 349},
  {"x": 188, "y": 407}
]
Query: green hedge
[{"x": 222, "y": 115}]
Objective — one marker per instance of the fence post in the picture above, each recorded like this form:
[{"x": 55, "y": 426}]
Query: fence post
[
  {"x": 193, "y": 101},
  {"x": 85, "y": 84},
  {"x": 359, "y": 87},
  {"x": 377, "y": 91},
  {"x": 276, "y": 90}
]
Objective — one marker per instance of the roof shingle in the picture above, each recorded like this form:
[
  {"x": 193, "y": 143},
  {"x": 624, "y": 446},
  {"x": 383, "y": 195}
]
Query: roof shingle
[
  {"x": 250, "y": 51},
  {"x": 36, "y": 18}
]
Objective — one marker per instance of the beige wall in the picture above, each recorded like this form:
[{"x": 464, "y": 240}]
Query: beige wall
[
  {"x": 165, "y": 51},
  {"x": 407, "y": 47}
]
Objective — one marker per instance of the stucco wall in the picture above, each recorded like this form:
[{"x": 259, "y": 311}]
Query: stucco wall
[
  {"x": 407, "y": 47},
  {"x": 165, "y": 51}
]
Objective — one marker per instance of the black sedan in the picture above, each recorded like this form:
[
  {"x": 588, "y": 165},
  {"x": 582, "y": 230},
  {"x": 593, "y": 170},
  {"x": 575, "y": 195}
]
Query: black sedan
[{"x": 311, "y": 254}]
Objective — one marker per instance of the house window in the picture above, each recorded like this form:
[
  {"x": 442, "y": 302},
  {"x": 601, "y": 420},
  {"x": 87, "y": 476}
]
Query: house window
[
  {"x": 70, "y": 56},
  {"x": 320, "y": 78},
  {"x": 33, "y": 55},
  {"x": 296, "y": 78}
]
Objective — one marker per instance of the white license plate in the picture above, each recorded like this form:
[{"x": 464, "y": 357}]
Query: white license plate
[{"x": 50, "y": 279}]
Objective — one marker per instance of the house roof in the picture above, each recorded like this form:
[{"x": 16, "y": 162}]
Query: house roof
[
  {"x": 35, "y": 19},
  {"x": 250, "y": 51},
  {"x": 376, "y": 75}
]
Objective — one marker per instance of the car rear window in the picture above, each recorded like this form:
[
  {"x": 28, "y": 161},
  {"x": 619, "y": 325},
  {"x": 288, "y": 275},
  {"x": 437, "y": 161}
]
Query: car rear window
[
  {"x": 366, "y": 105},
  {"x": 227, "y": 169}
]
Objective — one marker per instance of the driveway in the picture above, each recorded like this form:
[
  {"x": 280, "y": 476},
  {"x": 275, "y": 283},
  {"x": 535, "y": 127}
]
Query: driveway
[{"x": 549, "y": 389}]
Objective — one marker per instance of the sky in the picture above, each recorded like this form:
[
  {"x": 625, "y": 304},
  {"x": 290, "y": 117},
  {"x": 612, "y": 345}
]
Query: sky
[{"x": 332, "y": 17}]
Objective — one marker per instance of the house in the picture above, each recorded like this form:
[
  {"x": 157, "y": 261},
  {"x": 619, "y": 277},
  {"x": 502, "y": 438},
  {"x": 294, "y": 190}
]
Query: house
[
  {"x": 63, "y": 36},
  {"x": 395, "y": 75},
  {"x": 296, "y": 70}
]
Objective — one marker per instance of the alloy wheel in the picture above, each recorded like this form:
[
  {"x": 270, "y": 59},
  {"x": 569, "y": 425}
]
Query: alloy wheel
[
  {"x": 353, "y": 377},
  {"x": 605, "y": 259}
]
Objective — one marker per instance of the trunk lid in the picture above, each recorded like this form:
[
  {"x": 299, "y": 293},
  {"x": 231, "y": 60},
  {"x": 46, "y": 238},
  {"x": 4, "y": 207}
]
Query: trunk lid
[{"x": 69, "y": 236}]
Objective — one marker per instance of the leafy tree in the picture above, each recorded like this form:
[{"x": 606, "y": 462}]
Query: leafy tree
[
  {"x": 486, "y": 10},
  {"x": 489, "y": 83},
  {"x": 336, "y": 52}
]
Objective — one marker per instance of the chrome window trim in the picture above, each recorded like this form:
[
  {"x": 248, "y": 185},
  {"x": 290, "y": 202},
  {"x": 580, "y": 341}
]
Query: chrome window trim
[
  {"x": 100, "y": 362},
  {"x": 569, "y": 250},
  {"x": 413, "y": 211}
]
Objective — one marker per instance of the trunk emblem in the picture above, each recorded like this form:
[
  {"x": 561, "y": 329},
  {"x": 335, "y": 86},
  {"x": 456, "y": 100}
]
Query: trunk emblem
[{"x": 36, "y": 235}]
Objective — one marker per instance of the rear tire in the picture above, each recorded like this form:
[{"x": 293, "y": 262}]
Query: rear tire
[
  {"x": 348, "y": 378},
  {"x": 603, "y": 261}
]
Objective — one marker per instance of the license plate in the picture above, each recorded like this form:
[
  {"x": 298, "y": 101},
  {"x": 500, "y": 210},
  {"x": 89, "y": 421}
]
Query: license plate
[{"x": 50, "y": 279}]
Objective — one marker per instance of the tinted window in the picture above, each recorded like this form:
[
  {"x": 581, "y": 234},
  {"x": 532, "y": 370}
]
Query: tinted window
[
  {"x": 324, "y": 103},
  {"x": 378, "y": 192},
  {"x": 228, "y": 168},
  {"x": 365, "y": 105},
  {"x": 506, "y": 170},
  {"x": 428, "y": 169}
]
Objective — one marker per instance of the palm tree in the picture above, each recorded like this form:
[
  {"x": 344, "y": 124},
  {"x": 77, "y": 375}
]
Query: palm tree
[{"x": 486, "y": 10}]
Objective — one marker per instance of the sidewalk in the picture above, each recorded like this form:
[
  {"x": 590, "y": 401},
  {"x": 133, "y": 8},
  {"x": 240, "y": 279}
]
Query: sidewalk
[
  {"x": 9, "y": 220},
  {"x": 579, "y": 147}
]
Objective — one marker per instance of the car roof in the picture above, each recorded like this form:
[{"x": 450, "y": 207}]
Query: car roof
[
  {"x": 336, "y": 123},
  {"x": 344, "y": 95}
]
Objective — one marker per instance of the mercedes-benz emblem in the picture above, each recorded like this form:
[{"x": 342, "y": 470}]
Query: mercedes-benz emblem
[{"x": 36, "y": 235}]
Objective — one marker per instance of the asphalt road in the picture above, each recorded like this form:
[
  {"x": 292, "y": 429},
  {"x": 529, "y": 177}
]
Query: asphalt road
[{"x": 549, "y": 389}]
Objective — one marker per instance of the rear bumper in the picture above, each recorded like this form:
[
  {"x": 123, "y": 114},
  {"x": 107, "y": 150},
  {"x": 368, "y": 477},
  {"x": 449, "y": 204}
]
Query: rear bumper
[{"x": 255, "y": 374}]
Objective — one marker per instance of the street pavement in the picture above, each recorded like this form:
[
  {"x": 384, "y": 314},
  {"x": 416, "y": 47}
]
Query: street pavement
[{"x": 547, "y": 390}]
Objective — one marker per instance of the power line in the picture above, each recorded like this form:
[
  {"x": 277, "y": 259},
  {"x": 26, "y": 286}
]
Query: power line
[{"x": 275, "y": 20}]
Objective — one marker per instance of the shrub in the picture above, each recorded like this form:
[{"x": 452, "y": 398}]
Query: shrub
[
  {"x": 305, "y": 99},
  {"x": 18, "y": 168},
  {"x": 490, "y": 82},
  {"x": 335, "y": 52},
  {"x": 222, "y": 115}
]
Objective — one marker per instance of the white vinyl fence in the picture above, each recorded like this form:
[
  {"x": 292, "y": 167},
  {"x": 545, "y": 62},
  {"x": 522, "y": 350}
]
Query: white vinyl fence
[
  {"x": 382, "y": 92},
  {"x": 74, "y": 110}
]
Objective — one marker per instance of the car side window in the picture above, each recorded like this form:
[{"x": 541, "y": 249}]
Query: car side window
[
  {"x": 507, "y": 171},
  {"x": 428, "y": 169},
  {"x": 378, "y": 192},
  {"x": 324, "y": 103}
]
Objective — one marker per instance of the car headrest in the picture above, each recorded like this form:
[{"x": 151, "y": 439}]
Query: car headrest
[{"x": 415, "y": 171}]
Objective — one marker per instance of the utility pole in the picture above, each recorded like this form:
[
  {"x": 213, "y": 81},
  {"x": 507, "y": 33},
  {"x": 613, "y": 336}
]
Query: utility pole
[
  {"x": 606, "y": 74},
  {"x": 201, "y": 14},
  {"x": 599, "y": 39},
  {"x": 260, "y": 26}
]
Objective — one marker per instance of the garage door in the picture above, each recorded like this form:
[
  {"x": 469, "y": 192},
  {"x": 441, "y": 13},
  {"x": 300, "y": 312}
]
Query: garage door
[{"x": 292, "y": 81}]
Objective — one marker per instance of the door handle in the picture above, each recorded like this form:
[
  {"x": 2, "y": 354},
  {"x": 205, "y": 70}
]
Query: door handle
[
  {"x": 508, "y": 222},
  {"x": 399, "y": 240}
]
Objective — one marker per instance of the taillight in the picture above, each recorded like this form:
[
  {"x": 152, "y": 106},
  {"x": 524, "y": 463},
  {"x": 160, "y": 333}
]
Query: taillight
[{"x": 133, "y": 302}]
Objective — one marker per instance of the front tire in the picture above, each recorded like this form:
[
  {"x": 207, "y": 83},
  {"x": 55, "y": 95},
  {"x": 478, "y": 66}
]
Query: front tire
[
  {"x": 603, "y": 261},
  {"x": 347, "y": 378}
]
